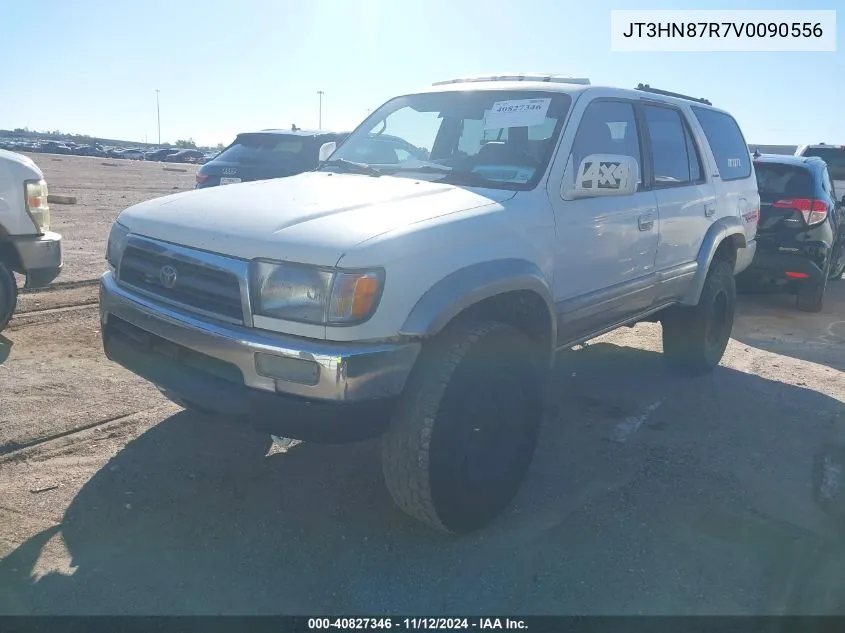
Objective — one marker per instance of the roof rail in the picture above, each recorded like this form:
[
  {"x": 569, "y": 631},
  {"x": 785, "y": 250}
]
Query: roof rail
[
  {"x": 666, "y": 93},
  {"x": 550, "y": 78}
]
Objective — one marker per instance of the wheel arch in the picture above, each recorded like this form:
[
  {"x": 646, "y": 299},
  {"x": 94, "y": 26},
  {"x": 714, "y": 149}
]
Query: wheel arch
[
  {"x": 724, "y": 238},
  {"x": 8, "y": 252},
  {"x": 514, "y": 291}
]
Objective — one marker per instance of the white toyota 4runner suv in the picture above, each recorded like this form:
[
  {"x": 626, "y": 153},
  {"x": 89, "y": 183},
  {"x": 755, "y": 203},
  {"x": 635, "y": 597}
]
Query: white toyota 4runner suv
[
  {"x": 421, "y": 297},
  {"x": 26, "y": 244}
]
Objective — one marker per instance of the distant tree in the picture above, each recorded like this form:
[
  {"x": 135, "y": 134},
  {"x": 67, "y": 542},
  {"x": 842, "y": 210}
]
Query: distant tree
[
  {"x": 220, "y": 147},
  {"x": 186, "y": 144}
]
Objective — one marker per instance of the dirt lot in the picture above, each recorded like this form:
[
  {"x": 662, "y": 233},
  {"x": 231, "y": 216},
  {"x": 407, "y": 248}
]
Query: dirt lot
[
  {"x": 649, "y": 493},
  {"x": 103, "y": 188}
]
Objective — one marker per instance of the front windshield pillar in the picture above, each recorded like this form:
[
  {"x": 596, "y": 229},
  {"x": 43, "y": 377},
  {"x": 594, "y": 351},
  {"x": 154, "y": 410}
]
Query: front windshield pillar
[{"x": 447, "y": 139}]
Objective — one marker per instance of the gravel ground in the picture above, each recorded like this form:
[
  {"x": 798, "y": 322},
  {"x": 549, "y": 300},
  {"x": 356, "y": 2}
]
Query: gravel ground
[
  {"x": 649, "y": 493},
  {"x": 103, "y": 188}
]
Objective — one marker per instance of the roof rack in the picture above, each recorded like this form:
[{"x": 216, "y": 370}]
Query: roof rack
[
  {"x": 551, "y": 78},
  {"x": 666, "y": 93}
]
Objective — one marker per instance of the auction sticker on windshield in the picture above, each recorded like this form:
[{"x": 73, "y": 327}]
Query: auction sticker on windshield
[{"x": 516, "y": 113}]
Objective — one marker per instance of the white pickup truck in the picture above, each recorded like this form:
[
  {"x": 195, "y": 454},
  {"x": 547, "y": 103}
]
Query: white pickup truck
[
  {"x": 422, "y": 295},
  {"x": 26, "y": 244}
]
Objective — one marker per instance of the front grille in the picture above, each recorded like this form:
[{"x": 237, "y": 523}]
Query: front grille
[{"x": 213, "y": 291}]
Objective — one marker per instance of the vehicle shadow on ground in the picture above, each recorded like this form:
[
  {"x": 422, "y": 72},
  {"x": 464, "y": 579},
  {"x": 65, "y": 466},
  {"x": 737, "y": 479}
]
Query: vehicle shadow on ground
[
  {"x": 770, "y": 321},
  {"x": 189, "y": 518},
  {"x": 5, "y": 349}
]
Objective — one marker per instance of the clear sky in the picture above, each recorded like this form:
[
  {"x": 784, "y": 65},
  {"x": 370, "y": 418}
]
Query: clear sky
[{"x": 92, "y": 66}]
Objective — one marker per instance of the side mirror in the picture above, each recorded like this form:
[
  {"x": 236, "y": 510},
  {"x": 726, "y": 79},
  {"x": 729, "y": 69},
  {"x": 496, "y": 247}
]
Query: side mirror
[
  {"x": 602, "y": 175},
  {"x": 326, "y": 150}
]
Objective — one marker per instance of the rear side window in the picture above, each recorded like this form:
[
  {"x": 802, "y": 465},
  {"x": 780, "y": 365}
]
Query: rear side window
[
  {"x": 673, "y": 150},
  {"x": 826, "y": 184},
  {"x": 777, "y": 182},
  {"x": 727, "y": 142}
]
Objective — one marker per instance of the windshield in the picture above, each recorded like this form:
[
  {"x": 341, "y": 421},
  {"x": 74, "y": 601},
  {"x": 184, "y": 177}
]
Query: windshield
[
  {"x": 264, "y": 148},
  {"x": 497, "y": 139},
  {"x": 833, "y": 156}
]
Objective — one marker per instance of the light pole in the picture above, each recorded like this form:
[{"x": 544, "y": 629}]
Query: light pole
[
  {"x": 320, "y": 93},
  {"x": 158, "y": 117}
]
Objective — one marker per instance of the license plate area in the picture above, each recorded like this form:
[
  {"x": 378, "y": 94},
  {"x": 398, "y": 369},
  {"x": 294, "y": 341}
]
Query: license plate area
[{"x": 229, "y": 181}]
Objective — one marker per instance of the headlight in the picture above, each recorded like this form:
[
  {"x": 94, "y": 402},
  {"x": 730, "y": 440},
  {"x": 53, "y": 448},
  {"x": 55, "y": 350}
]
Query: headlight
[
  {"x": 295, "y": 292},
  {"x": 116, "y": 244},
  {"x": 36, "y": 204}
]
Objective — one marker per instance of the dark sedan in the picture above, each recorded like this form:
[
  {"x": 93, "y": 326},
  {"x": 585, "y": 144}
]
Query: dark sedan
[
  {"x": 265, "y": 154},
  {"x": 161, "y": 154},
  {"x": 184, "y": 156}
]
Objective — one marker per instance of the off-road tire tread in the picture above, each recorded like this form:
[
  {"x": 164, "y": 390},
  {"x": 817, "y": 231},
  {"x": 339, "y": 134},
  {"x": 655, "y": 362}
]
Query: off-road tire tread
[
  {"x": 405, "y": 445},
  {"x": 681, "y": 321}
]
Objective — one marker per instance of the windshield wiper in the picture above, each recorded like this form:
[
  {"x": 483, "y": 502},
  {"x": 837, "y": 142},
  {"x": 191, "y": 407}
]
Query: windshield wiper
[
  {"x": 352, "y": 167},
  {"x": 422, "y": 169},
  {"x": 468, "y": 178}
]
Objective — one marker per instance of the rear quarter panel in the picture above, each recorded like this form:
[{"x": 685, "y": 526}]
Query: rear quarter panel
[{"x": 734, "y": 197}]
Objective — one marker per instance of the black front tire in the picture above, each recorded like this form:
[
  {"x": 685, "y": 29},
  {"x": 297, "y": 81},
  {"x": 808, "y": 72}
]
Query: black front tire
[
  {"x": 464, "y": 433},
  {"x": 695, "y": 338},
  {"x": 8, "y": 295}
]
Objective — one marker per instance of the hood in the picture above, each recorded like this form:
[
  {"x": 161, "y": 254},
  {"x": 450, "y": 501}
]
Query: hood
[{"x": 312, "y": 218}]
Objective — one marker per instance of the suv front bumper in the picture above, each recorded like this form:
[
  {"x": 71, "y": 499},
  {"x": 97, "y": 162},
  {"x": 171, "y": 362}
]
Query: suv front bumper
[
  {"x": 319, "y": 391},
  {"x": 40, "y": 257}
]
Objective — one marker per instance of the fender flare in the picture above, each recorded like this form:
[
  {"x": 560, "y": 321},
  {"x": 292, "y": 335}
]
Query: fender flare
[
  {"x": 728, "y": 227},
  {"x": 467, "y": 286}
]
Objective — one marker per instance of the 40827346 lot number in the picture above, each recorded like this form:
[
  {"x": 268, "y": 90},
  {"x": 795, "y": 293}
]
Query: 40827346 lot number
[{"x": 411, "y": 624}]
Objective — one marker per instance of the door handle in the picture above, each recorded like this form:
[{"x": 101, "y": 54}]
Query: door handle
[{"x": 645, "y": 222}]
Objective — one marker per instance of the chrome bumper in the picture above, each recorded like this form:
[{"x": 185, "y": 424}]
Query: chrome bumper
[
  {"x": 347, "y": 372},
  {"x": 40, "y": 257}
]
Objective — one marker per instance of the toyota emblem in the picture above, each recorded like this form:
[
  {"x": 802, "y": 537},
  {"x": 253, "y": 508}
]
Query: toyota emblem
[{"x": 167, "y": 276}]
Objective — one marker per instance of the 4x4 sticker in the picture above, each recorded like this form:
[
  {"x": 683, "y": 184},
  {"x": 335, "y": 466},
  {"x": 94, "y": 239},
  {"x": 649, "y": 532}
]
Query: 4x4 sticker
[{"x": 602, "y": 175}]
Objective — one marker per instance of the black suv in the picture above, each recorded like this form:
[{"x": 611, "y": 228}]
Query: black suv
[
  {"x": 265, "y": 154},
  {"x": 800, "y": 232}
]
